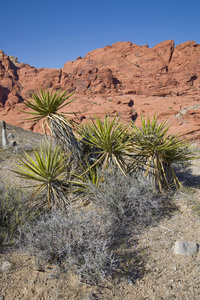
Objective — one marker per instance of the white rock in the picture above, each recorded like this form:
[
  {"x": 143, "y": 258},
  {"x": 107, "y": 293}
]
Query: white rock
[
  {"x": 11, "y": 136},
  {"x": 185, "y": 248},
  {"x": 130, "y": 282},
  {"x": 6, "y": 266}
]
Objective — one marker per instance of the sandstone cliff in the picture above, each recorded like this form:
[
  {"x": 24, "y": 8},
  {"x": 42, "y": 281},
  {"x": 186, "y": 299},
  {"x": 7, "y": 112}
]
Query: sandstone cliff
[{"x": 123, "y": 78}]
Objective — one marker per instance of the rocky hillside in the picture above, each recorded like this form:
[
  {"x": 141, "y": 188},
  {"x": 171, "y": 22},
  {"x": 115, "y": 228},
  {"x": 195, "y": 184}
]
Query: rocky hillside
[{"x": 123, "y": 78}]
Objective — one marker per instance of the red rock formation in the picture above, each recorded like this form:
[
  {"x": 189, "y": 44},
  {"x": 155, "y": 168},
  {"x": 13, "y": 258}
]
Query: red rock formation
[
  {"x": 123, "y": 78},
  {"x": 1, "y": 97}
]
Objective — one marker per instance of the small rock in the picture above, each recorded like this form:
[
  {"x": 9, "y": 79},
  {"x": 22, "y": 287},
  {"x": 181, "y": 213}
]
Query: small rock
[
  {"x": 6, "y": 266},
  {"x": 12, "y": 143},
  {"x": 18, "y": 149},
  {"x": 11, "y": 136},
  {"x": 28, "y": 147},
  {"x": 130, "y": 282},
  {"x": 185, "y": 248}
]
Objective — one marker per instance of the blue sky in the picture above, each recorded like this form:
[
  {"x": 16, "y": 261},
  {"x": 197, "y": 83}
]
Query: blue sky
[{"x": 49, "y": 33}]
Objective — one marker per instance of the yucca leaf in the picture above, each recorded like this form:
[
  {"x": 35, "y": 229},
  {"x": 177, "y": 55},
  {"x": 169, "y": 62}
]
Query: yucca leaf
[
  {"x": 44, "y": 103},
  {"x": 47, "y": 169},
  {"x": 108, "y": 138},
  {"x": 155, "y": 149}
]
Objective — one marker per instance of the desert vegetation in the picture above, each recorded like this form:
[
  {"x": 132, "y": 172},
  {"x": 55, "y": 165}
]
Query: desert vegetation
[{"x": 95, "y": 186}]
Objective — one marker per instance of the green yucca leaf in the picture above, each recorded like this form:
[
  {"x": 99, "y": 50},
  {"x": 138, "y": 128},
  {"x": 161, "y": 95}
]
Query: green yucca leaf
[
  {"x": 47, "y": 169},
  {"x": 44, "y": 103},
  {"x": 80, "y": 183},
  {"x": 108, "y": 139},
  {"x": 156, "y": 150}
]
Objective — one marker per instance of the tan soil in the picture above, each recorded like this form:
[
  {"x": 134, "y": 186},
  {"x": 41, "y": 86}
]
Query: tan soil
[{"x": 159, "y": 273}]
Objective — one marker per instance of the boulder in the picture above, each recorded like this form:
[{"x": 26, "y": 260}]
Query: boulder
[
  {"x": 185, "y": 248},
  {"x": 11, "y": 100}
]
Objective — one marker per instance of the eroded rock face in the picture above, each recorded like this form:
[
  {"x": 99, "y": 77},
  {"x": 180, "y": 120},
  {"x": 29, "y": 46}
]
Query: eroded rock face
[
  {"x": 123, "y": 78},
  {"x": 1, "y": 96},
  {"x": 32, "y": 79}
]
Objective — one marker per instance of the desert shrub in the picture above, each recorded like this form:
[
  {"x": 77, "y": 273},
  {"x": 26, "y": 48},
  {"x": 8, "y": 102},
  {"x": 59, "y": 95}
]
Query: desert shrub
[
  {"x": 75, "y": 241},
  {"x": 84, "y": 240},
  {"x": 127, "y": 203},
  {"x": 13, "y": 212}
]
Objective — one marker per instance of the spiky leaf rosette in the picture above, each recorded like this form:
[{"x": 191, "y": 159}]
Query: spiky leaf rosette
[
  {"x": 46, "y": 105},
  {"x": 47, "y": 169},
  {"x": 156, "y": 151},
  {"x": 109, "y": 141}
]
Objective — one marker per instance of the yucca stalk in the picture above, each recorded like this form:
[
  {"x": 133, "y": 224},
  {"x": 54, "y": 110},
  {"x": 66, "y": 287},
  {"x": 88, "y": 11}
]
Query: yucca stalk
[
  {"x": 48, "y": 170},
  {"x": 46, "y": 105},
  {"x": 108, "y": 141},
  {"x": 156, "y": 151},
  {"x": 63, "y": 133}
]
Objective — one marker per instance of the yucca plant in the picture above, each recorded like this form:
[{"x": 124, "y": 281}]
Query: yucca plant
[
  {"x": 108, "y": 141},
  {"x": 80, "y": 183},
  {"x": 46, "y": 105},
  {"x": 48, "y": 170},
  {"x": 156, "y": 151}
]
